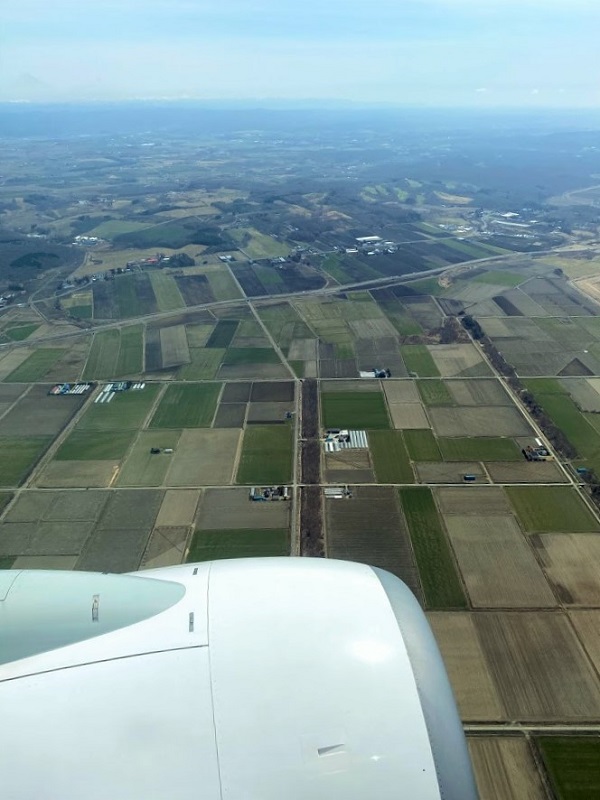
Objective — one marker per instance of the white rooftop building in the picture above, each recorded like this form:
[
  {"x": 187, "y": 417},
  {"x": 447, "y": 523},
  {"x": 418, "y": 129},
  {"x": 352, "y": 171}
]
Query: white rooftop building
[{"x": 252, "y": 679}]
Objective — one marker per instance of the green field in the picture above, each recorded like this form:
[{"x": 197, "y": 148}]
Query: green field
[
  {"x": 284, "y": 324},
  {"x": 19, "y": 333},
  {"x": 95, "y": 446},
  {"x": 36, "y": 365},
  {"x": 435, "y": 393},
  {"x": 18, "y": 456},
  {"x": 223, "y": 333},
  {"x": 250, "y": 355},
  {"x": 143, "y": 468},
  {"x": 102, "y": 360},
  {"x": 204, "y": 364},
  {"x": 266, "y": 455},
  {"x": 544, "y": 386},
  {"x": 115, "y": 227},
  {"x": 131, "y": 301},
  {"x": 257, "y": 245},
  {"x": 479, "y": 449},
  {"x": 222, "y": 283},
  {"x": 422, "y": 445},
  {"x": 419, "y": 360},
  {"x": 573, "y": 764},
  {"x": 390, "y": 458},
  {"x": 437, "y": 569},
  {"x": 499, "y": 277},
  {"x": 166, "y": 291},
  {"x": 238, "y": 543},
  {"x": 126, "y": 411},
  {"x": 551, "y": 508},
  {"x": 354, "y": 410},
  {"x": 186, "y": 405},
  {"x": 81, "y": 312},
  {"x": 131, "y": 351}
]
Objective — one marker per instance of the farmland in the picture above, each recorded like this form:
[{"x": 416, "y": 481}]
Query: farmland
[
  {"x": 266, "y": 455},
  {"x": 573, "y": 765},
  {"x": 241, "y": 543},
  {"x": 546, "y": 508},
  {"x": 354, "y": 410},
  {"x": 187, "y": 406}
]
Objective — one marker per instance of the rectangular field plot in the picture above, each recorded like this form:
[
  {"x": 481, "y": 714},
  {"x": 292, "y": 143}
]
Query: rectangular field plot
[
  {"x": 573, "y": 764},
  {"x": 230, "y": 415},
  {"x": 551, "y": 508},
  {"x": 76, "y": 474},
  {"x": 204, "y": 364},
  {"x": 437, "y": 569},
  {"x": 268, "y": 412},
  {"x": 204, "y": 458},
  {"x": 390, "y": 458},
  {"x": 434, "y": 393},
  {"x": 450, "y": 472},
  {"x": 221, "y": 509},
  {"x": 479, "y": 449},
  {"x": 422, "y": 445},
  {"x": 131, "y": 352},
  {"x": 236, "y": 393},
  {"x": 36, "y": 365},
  {"x": 497, "y": 564},
  {"x": 266, "y": 455},
  {"x": 354, "y": 410},
  {"x": 349, "y": 466},
  {"x": 114, "y": 550},
  {"x": 223, "y": 333},
  {"x": 126, "y": 411},
  {"x": 474, "y": 689},
  {"x": 474, "y": 500},
  {"x": 44, "y": 538},
  {"x": 174, "y": 346},
  {"x": 538, "y": 666},
  {"x": 166, "y": 547},
  {"x": 144, "y": 468},
  {"x": 458, "y": 360},
  {"x": 271, "y": 392},
  {"x": 187, "y": 406},
  {"x": 479, "y": 421},
  {"x": 369, "y": 529},
  {"x": 401, "y": 391},
  {"x": 238, "y": 543},
  {"x": 102, "y": 360},
  {"x": 584, "y": 393},
  {"x": 94, "y": 446},
  {"x": 178, "y": 507},
  {"x": 525, "y": 472},
  {"x": 418, "y": 360},
  {"x": 32, "y": 506},
  {"x": 40, "y": 414},
  {"x": 572, "y": 563},
  {"x": 408, "y": 416},
  {"x": 18, "y": 456},
  {"x": 587, "y": 628},
  {"x": 504, "y": 769},
  {"x": 488, "y": 392}
]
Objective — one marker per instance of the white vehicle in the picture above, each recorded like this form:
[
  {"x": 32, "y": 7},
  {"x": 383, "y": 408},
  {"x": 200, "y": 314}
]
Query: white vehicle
[{"x": 250, "y": 679}]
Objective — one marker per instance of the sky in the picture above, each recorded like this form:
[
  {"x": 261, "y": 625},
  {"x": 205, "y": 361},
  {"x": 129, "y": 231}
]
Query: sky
[{"x": 430, "y": 53}]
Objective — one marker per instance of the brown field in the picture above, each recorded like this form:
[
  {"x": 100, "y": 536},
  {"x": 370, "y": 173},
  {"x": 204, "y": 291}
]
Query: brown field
[
  {"x": 587, "y": 627},
  {"x": 401, "y": 391},
  {"x": 230, "y": 415},
  {"x": 224, "y": 509},
  {"x": 45, "y": 562},
  {"x": 70, "y": 366},
  {"x": 483, "y": 392},
  {"x": 39, "y": 414},
  {"x": 268, "y": 412},
  {"x": 204, "y": 457},
  {"x": 504, "y": 769},
  {"x": 114, "y": 550},
  {"x": 12, "y": 360},
  {"x": 303, "y": 350},
  {"x": 174, "y": 346},
  {"x": 408, "y": 416},
  {"x": 236, "y": 393},
  {"x": 363, "y": 385},
  {"x": 372, "y": 328},
  {"x": 452, "y": 472},
  {"x": 465, "y": 662},
  {"x": 584, "y": 392},
  {"x": 71, "y": 474},
  {"x": 166, "y": 547},
  {"x": 32, "y": 506},
  {"x": 44, "y": 538},
  {"x": 178, "y": 508},
  {"x": 9, "y": 394},
  {"x": 473, "y": 500},
  {"x": 525, "y": 472},
  {"x": 266, "y": 392},
  {"x": 539, "y": 667},
  {"x": 479, "y": 421},
  {"x": 497, "y": 564},
  {"x": 349, "y": 466},
  {"x": 369, "y": 528},
  {"x": 457, "y": 359},
  {"x": 572, "y": 563}
]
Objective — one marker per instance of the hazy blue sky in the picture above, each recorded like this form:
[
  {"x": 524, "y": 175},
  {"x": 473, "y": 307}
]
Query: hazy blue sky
[{"x": 425, "y": 52}]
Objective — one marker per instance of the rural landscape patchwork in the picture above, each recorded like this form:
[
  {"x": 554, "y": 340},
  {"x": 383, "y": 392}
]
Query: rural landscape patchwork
[{"x": 356, "y": 337}]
